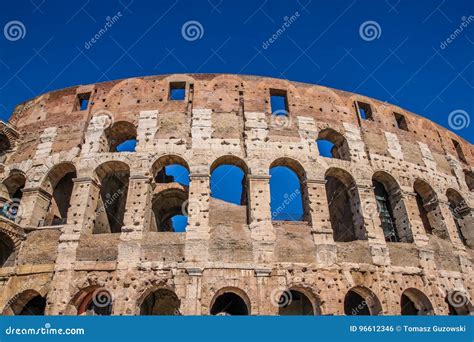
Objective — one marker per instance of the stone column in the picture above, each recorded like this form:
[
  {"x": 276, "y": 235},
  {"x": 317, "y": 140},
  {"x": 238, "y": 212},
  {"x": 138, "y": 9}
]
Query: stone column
[
  {"x": 34, "y": 207},
  {"x": 321, "y": 228},
  {"x": 419, "y": 235},
  {"x": 373, "y": 226},
  {"x": 261, "y": 228},
  {"x": 198, "y": 230},
  {"x": 138, "y": 209},
  {"x": 448, "y": 221},
  {"x": 95, "y": 140},
  {"x": 191, "y": 304}
]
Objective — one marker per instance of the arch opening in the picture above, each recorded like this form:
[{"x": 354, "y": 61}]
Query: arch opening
[
  {"x": 295, "y": 303},
  {"x": 428, "y": 209},
  {"x": 121, "y": 136},
  {"x": 416, "y": 303},
  {"x": 332, "y": 144},
  {"x": 7, "y": 251},
  {"x": 27, "y": 303},
  {"x": 170, "y": 195},
  {"x": 462, "y": 216},
  {"x": 229, "y": 190},
  {"x": 360, "y": 301},
  {"x": 343, "y": 198},
  {"x": 469, "y": 178},
  {"x": 94, "y": 302},
  {"x": 162, "y": 302},
  {"x": 5, "y": 147},
  {"x": 288, "y": 192},
  {"x": 114, "y": 180},
  {"x": 391, "y": 208},
  {"x": 229, "y": 304},
  {"x": 11, "y": 194}
]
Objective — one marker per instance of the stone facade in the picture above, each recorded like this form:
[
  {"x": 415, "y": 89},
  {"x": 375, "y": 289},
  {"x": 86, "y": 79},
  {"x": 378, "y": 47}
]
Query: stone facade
[{"x": 62, "y": 179}]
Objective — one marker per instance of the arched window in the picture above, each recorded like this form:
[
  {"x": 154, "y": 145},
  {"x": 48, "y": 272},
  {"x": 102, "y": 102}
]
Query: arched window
[
  {"x": 343, "y": 197},
  {"x": 461, "y": 214},
  {"x": 11, "y": 194},
  {"x": 121, "y": 137},
  {"x": 7, "y": 251},
  {"x": 469, "y": 177},
  {"x": 94, "y": 302},
  {"x": 428, "y": 207},
  {"x": 162, "y": 302},
  {"x": 59, "y": 183},
  {"x": 360, "y": 301},
  {"x": 293, "y": 302},
  {"x": 391, "y": 209},
  {"x": 170, "y": 195},
  {"x": 113, "y": 177},
  {"x": 27, "y": 303},
  {"x": 5, "y": 146},
  {"x": 332, "y": 144},
  {"x": 459, "y": 304},
  {"x": 414, "y": 302},
  {"x": 229, "y": 190},
  {"x": 231, "y": 303},
  {"x": 288, "y": 193}
]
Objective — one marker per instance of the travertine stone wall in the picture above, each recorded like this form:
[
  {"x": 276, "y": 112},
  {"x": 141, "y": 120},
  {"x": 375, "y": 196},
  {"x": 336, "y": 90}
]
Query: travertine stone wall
[{"x": 226, "y": 119}]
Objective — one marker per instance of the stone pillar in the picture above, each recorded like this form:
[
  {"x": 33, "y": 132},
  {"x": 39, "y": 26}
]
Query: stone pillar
[
  {"x": 448, "y": 221},
  {"x": 373, "y": 225},
  {"x": 198, "y": 231},
  {"x": 419, "y": 235},
  {"x": 95, "y": 140},
  {"x": 261, "y": 228},
  {"x": 138, "y": 209},
  {"x": 191, "y": 304},
  {"x": 321, "y": 228},
  {"x": 147, "y": 125},
  {"x": 34, "y": 207}
]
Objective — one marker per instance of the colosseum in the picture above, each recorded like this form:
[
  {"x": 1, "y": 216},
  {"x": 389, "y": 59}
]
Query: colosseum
[{"x": 387, "y": 225}]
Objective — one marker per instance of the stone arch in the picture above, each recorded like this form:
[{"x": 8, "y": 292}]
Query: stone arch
[
  {"x": 7, "y": 250},
  {"x": 28, "y": 302},
  {"x": 459, "y": 304},
  {"x": 428, "y": 208},
  {"x": 343, "y": 197},
  {"x": 160, "y": 301},
  {"x": 58, "y": 184},
  {"x": 297, "y": 300},
  {"x": 301, "y": 193},
  {"x": 462, "y": 216},
  {"x": 229, "y": 168},
  {"x": 169, "y": 200},
  {"x": 11, "y": 193},
  {"x": 118, "y": 133},
  {"x": 230, "y": 301},
  {"x": 360, "y": 301},
  {"x": 469, "y": 178},
  {"x": 340, "y": 147},
  {"x": 113, "y": 177},
  {"x": 391, "y": 208},
  {"x": 93, "y": 301},
  {"x": 415, "y": 302}
]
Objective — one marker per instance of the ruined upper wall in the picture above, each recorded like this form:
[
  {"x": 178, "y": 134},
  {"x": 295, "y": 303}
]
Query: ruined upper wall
[{"x": 227, "y": 95}]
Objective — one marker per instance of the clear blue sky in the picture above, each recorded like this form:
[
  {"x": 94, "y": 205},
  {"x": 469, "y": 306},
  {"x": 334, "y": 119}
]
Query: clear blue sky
[{"x": 405, "y": 64}]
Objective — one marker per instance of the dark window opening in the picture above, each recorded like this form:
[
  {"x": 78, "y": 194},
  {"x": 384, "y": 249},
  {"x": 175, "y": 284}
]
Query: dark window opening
[
  {"x": 229, "y": 304},
  {"x": 355, "y": 305},
  {"x": 34, "y": 307},
  {"x": 401, "y": 121},
  {"x": 61, "y": 201},
  {"x": 385, "y": 212},
  {"x": 413, "y": 302},
  {"x": 459, "y": 151},
  {"x": 127, "y": 146},
  {"x": 83, "y": 101},
  {"x": 423, "y": 215},
  {"x": 162, "y": 302},
  {"x": 332, "y": 144},
  {"x": 365, "y": 111},
  {"x": 121, "y": 137},
  {"x": 295, "y": 303},
  {"x": 5, "y": 145},
  {"x": 469, "y": 177},
  {"x": 177, "y": 91},
  {"x": 7, "y": 251},
  {"x": 279, "y": 102}
]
